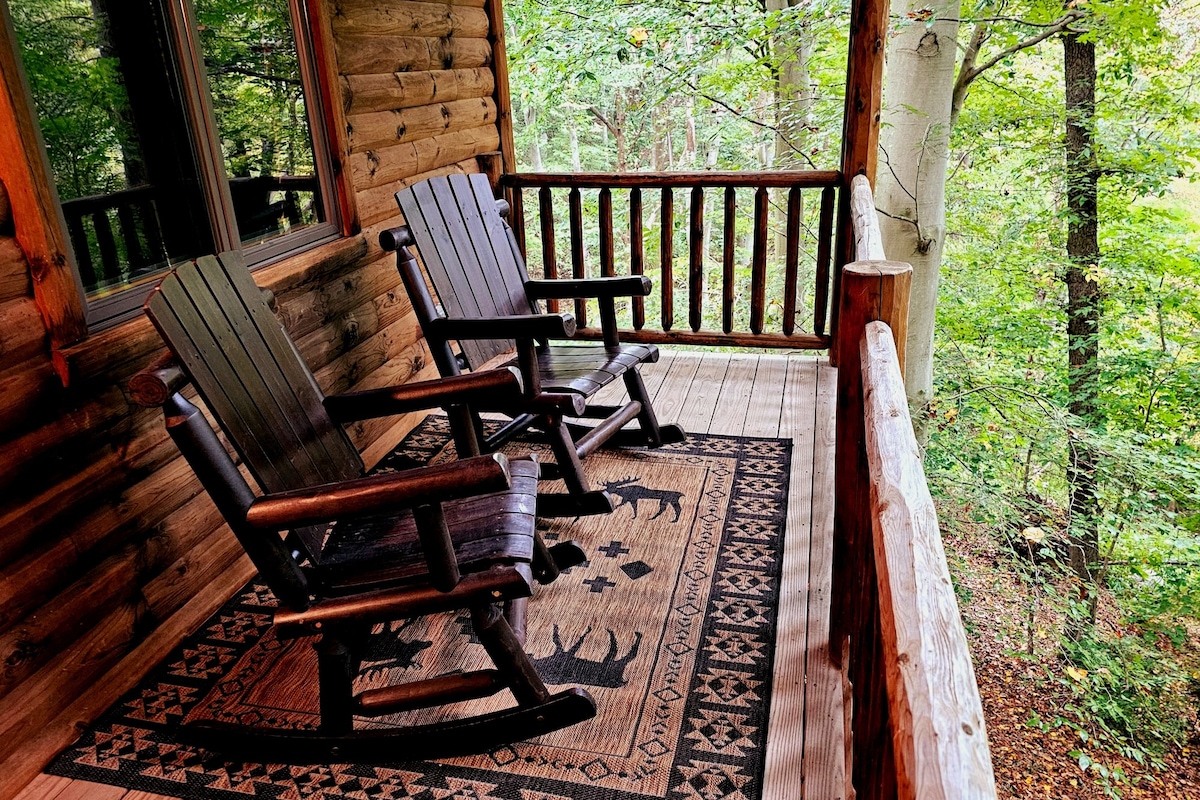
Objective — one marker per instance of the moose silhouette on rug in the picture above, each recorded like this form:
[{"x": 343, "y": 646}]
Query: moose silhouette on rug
[
  {"x": 631, "y": 492},
  {"x": 564, "y": 666}
]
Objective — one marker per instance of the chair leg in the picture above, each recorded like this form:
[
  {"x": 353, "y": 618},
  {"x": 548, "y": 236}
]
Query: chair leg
[
  {"x": 507, "y": 654},
  {"x": 656, "y": 435},
  {"x": 335, "y": 678}
]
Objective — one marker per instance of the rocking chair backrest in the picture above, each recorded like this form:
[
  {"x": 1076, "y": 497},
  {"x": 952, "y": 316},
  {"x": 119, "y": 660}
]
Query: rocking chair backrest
[
  {"x": 244, "y": 365},
  {"x": 469, "y": 254}
]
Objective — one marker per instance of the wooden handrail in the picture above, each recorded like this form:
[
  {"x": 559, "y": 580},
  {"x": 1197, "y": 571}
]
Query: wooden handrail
[
  {"x": 868, "y": 239},
  {"x": 935, "y": 714},
  {"x": 768, "y": 296}
]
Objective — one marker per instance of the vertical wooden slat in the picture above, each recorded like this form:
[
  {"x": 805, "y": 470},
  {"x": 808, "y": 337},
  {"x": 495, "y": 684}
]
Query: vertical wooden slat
[
  {"x": 516, "y": 218},
  {"x": 129, "y": 233},
  {"x": 727, "y": 290},
  {"x": 577, "y": 267},
  {"x": 758, "y": 264},
  {"x": 696, "y": 259},
  {"x": 824, "y": 248},
  {"x": 606, "y": 233},
  {"x": 549, "y": 255},
  {"x": 636, "y": 255},
  {"x": 791, "y": 257},
  {"x": 83, "y": 253},
  {"x": 110, "y": 262},
  {"x": 666, "y": 257}
]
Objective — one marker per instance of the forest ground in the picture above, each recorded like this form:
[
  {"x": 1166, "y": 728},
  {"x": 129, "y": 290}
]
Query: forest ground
[{"x": 1025, "y": 695}]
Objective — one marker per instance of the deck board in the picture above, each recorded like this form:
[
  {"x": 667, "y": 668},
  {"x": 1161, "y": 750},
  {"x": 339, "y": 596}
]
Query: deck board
[
  {"x": 781, "y": 396},
  {"x": 729, "y": 417}
]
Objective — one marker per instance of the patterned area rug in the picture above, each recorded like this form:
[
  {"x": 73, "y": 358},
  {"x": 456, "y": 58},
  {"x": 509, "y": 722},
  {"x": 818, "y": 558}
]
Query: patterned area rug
[{"x": 669, "y": 625}]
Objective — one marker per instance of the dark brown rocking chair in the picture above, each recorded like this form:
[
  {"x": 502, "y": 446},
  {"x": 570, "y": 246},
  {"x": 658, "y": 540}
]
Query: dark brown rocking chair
[
  {"x": 459, "y": 535},
  {"x": 490, "y": 306}
]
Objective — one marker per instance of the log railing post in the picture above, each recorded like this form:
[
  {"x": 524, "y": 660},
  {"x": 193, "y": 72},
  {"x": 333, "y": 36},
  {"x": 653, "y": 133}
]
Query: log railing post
[{"x": 870, "y": 290}]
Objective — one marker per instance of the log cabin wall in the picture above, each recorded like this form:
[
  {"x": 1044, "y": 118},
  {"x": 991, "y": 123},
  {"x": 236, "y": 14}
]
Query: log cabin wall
[{"x": 110, "y": 552}]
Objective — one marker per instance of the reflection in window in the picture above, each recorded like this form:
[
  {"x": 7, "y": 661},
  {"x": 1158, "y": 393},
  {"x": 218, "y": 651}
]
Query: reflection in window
[
  {"x": 258, "y": 101},
  {"x": 136, "y": 159}
]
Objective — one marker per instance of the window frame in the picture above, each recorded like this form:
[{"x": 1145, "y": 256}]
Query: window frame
[{"x": 101, "y": 313}]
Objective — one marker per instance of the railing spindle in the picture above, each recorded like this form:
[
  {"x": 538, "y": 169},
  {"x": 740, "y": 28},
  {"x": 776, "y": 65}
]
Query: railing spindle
[
  {"x": 606, "y": 234},
  {"x": 758, "y": 264},
  {"x": 791, "y": 259},
  {"x": 133, "y": 245},
  {"x": 83, "y": 254},
  {"x": 110, "y": 262},
  {"x": 577, "y": 270},
  {"x": 666, "y": 257},
  {"x": 696, "y": 259},
  {"x": 727, "y": 289},
  {"x": 516, "y": 219},
  {"x": 636, "y": 256},
  {"x": 824, "y": 251},
  {"x": 549, "y": 255}
]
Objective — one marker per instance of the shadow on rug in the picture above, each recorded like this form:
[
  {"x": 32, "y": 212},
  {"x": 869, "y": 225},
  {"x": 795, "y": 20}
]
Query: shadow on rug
[{"x": 669, "y": 624}]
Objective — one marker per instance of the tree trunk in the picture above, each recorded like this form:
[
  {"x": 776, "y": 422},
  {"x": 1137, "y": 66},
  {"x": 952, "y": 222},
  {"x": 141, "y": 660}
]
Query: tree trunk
[
  {"x": 1083, "y": 296},
  {"x": 910, "y": 188},
  {"x": 535, "y": 139}
]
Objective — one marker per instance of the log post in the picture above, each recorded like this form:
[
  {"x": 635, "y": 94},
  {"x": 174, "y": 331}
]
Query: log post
[{"x": 871, "y": 290}]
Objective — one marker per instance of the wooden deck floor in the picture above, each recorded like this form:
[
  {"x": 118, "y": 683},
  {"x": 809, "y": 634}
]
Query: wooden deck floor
[{"x": 748, "y": 395}]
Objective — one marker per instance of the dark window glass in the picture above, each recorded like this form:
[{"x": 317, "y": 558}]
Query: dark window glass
[{"x": 172, "y": 131}]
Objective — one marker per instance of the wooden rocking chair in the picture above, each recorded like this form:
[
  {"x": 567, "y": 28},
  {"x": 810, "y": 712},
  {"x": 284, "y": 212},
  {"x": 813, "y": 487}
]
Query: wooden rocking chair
[
  {"x": 459, "y": 535},
  {"x": 490, "y": 306}
]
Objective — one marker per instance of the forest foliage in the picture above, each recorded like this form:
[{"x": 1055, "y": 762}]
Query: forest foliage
[{"x": 673, "y": 84}]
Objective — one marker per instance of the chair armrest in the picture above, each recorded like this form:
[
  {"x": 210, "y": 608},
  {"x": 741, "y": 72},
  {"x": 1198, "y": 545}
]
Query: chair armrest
[
  {"x": 516, "y": 326},
  {"x": 498, "y": 387},
  {"x": 628, "y": 286},
  {"x": 363, "y": 496}
]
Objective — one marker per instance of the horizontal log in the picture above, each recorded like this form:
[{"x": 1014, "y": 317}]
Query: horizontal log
[
  {"x": 361, "y": 361},
  {"x": 868, "y": 239},
  {"x": 386, "y": 164},
  {"x": 391, "y": 90},
  {"x": 380, "y": 129},
  {"x": 56, "y": 504},
  {"x": 936, "y": 715},
  {"x": 47, "y": 729},
  {"x": 14, "y": 271},
  {"x": 24, "y": 389},
  {"x": 658, "y": 180},
  {"x": 409, "y": 19},
  {"x": 22, "y": 334},
  {"x": 303, "y": 313},
  {"x": 57, "y": 448},
  {"x": 355, "y": 326},
  {"x": 198, "y": 566},
  {"x": 798, "y": 341},
  {"x": 344, "y": 5},
  {"x": 117, "y": 579},
  {"x": 378, "y": 203},
  {"x": 360, "y": 54}
]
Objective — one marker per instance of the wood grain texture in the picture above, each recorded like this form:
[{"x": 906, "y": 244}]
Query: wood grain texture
[
  {"x": 409, "y": 19},
  {"x": 393, "y": 90},
  {"x": 360, "y": 54},
  {"x": 734, "y": 401},
  {"x": 785, "y": 778},
  {"x": 868, "y": 239},
  {"x": 937, "y": 718},
  {"x": 378, "y": 129},
  {"x": 14, "y": 272},
  {"x": 32, "y": 199},
  {"x": 381, "y": 165}
]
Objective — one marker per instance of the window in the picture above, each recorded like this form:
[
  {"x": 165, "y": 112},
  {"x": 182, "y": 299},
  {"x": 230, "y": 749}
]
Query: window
[{"x": 175, "y": 128}]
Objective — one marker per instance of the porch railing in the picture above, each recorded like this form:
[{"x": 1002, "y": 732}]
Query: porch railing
[
  {"x": 916, "y": 717},
  {"x": 774, "y": 244}
]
